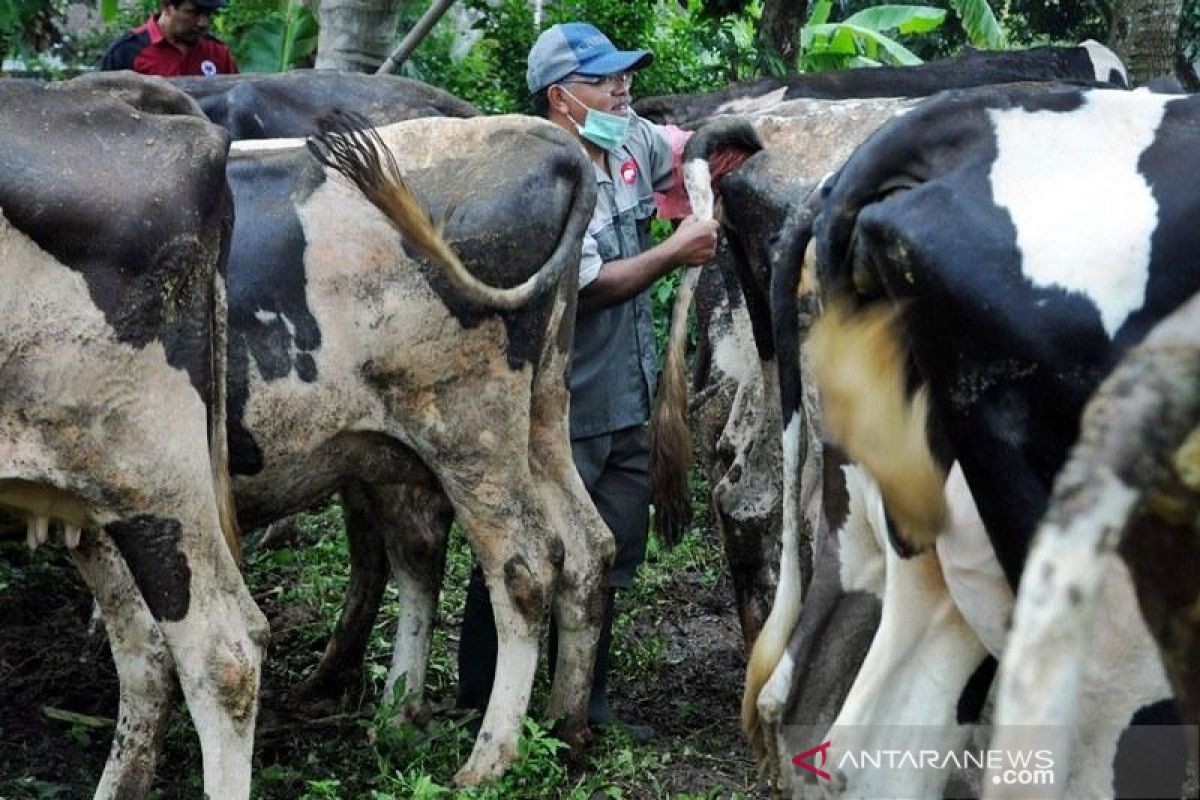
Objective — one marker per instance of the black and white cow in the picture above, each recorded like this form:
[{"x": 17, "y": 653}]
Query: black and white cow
[
  {"x": 963, "y": 250},
  {"x": 114, "y": 221},
  {"x": 354, "y": 359},
  {"x": 288, "y": 105},
  {"x": 739, "y": 441},
  {"x": 1088, "y": 62}
]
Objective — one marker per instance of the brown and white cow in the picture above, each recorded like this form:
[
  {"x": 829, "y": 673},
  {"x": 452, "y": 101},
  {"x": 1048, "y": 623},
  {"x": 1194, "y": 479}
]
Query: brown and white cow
[{"x": 114, "y": 219}]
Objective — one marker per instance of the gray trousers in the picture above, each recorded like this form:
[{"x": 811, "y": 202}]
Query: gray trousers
[{"x": 615, "y": 468}]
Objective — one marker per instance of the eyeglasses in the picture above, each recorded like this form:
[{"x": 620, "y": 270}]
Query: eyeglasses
[{"x": 622, "y": 79}]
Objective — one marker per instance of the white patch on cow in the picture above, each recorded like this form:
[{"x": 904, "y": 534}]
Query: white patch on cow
[
  {"x": 1104, "y": 61},
  {"x": 861, "y": 565},
  {"x": 753, "y": 105},
  {"x": 698, "y": 181},
  {"x": 260, "y": 145},
  {"x": 733, "y": 351},
  {"x": 906, "y": 694},
  {"x": 973, "y": 573},
  {"x": 1083, "y": 213},
  {"x": 410, "y": 648},
  {"x": 264, "y": 316}
]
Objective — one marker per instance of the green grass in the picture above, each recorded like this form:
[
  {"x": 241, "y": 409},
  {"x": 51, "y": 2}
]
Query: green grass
[
  {"x": 350, "y": 748},
  {"x": 372, "y": 757}
]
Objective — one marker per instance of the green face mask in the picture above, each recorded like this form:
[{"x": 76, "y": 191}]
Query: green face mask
[{"x": 602, "y": 129}]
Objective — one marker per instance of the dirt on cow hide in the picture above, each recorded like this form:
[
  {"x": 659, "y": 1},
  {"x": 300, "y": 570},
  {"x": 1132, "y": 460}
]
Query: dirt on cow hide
[{"x": 678, "y": 659}]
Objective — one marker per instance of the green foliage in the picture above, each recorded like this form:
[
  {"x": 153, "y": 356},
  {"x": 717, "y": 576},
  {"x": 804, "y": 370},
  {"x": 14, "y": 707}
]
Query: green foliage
[
  {"x": 269, "y": 35},
  {"x": 28, "y": 26},
  {"x": 980, "y": 24},
  {"x": 861, "y": 39}
]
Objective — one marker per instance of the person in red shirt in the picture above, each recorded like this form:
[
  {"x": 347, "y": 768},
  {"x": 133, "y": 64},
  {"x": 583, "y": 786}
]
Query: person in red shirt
[{"x": 175, "y": 42}]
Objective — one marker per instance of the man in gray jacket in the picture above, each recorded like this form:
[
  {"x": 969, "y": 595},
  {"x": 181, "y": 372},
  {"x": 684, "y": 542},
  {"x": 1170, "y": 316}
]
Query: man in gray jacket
[{"x": 581, "y": 82}]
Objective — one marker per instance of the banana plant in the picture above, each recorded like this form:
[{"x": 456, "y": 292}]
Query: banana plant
[
  {"x": 284, "y": 38},
  {"x": 862, "y": 39}
]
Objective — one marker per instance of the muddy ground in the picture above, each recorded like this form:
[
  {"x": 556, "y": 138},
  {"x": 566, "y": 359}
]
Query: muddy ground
[{"x": 683, "y": 647}]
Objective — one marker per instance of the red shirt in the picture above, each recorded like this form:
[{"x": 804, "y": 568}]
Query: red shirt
[{"x": 145, "y": 50}]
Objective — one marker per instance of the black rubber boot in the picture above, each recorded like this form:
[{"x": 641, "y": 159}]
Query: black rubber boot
[
  {"x": 600, "y": 713},
  {"x": 476, "y": 647}
]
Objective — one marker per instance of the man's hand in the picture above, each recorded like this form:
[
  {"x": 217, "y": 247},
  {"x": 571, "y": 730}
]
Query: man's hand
[{"x": 694, "y": 242}]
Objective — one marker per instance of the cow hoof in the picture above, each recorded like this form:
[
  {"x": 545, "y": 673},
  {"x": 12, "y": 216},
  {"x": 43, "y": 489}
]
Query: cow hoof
[
  {"x": 467, "y": 777},
  {"x": 577, "y": 736}
]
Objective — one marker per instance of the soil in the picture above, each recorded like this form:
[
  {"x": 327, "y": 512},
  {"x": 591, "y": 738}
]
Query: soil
[{"x": 49, "y": 661}]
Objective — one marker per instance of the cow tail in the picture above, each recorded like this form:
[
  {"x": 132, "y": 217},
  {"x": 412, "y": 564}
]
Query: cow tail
[
  {"x": 792, "y": 274},
  {"x": 218, "y": 444},
  {"x": 670, "y": 434},
  {"x": 349, "y": 146},
  {"x": 860, "y": 363}
]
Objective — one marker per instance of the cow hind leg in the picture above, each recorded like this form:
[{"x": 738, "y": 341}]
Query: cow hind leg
[
  {"x": 144, "y": 667},
  {"x": 505, "y": 525},
  {"x": 342, "y": 660},
  {"x": 215, "y": 633},
  {"x": 416, "y": 549}
]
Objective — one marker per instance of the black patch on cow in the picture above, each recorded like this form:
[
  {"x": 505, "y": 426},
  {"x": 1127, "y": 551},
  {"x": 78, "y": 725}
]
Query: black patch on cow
[
  {"x": 133, "y": 201},
  {"x": 288, "y": 105},
  {"x": 974, "y": 693},
  {"x": 504, "y": 223},
  {"x": 270, "y": 321},
  {"x": 150, "y": 545},
  {"x": 1152, "y": 753}
]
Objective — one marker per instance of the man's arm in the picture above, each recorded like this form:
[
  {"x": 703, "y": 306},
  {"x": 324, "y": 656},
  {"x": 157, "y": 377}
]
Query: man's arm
[{"x": 692, "y": 243}]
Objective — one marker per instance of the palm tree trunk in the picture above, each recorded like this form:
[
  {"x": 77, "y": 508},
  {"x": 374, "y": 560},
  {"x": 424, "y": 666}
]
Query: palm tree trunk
[
  {"x": 1143, "y": 34},
  {"x": 779, "y": 27},
  {"x": 356, "y": 35}
]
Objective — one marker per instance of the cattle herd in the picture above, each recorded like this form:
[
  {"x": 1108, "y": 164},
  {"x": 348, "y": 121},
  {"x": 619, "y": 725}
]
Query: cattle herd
[{"x": 947, "y": 395}]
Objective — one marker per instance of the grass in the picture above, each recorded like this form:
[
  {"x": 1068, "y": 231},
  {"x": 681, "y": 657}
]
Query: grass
[{"x": 351, "y": 749}]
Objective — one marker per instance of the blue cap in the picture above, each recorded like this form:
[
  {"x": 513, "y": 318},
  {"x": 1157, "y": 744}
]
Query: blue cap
[{"x": 577, "y": 47}]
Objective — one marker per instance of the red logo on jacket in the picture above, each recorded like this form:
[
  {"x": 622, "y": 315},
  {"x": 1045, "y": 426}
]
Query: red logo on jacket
[{"x": 629, "y": 172}]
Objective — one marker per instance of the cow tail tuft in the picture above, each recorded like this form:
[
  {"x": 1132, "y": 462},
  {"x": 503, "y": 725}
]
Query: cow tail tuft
[
  {"x": 670, "y": 433},
  {"x": 860, "y": 361}
]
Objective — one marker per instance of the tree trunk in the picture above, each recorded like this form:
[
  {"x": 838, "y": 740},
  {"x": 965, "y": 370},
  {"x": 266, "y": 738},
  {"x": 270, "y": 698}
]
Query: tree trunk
[
  {"x": 356, "y": 35},
  {"x": 1144, "y": 34},
  {"x": 779, "y": 27}
]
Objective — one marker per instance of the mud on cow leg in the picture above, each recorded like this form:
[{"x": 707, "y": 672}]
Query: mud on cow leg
[
  {"x": 418, "y": 520},
  {"x": 144, "y": 667},
  {"x": 505, "y": 525},
  {"x": 214, "y": 631}
]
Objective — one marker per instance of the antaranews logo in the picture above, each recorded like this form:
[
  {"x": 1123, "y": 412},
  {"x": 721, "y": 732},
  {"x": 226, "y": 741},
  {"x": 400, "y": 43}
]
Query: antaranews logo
[
  {"x": 802, "y": 760},
  {"x": 1021, "y": 768}
]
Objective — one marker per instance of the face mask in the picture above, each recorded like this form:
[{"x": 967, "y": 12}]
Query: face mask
[{"x": 604, "y": 130}]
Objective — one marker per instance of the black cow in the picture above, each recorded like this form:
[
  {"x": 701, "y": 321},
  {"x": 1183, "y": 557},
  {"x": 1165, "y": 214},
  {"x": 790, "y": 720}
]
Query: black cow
[
  {"x": 288, "y": 105},
  {"x": 963, "y": 252},
  {"x": 1089, "y": 62},
  {"x": 114, "y": 221}
]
